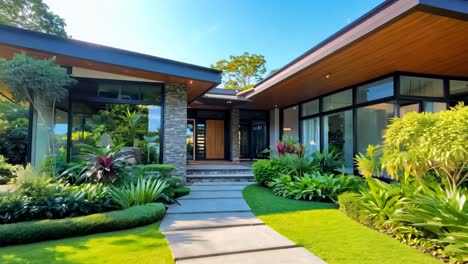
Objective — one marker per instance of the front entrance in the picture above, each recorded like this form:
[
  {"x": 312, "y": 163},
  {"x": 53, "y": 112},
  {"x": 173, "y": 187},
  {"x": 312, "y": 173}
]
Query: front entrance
[
  {"x": 253, "y": 139},
  {"x": 214, "y": 139}
]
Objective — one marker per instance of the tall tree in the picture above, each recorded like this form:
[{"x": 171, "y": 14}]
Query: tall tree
[
  {"x": 33, "y": 15},
  {"x": 241, "y": 72}
]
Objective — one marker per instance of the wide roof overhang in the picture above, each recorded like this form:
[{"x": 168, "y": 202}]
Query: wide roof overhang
[
  {"x": 423, "y": 36},
  {"x": 74, "y": 53}
]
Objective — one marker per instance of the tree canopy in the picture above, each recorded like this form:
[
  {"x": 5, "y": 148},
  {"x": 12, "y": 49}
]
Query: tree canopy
[
  {"x": 241, "y": 72},
  {"x": 33, "y": 15}
]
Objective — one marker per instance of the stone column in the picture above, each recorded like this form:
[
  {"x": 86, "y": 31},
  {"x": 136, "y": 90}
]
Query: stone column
[
  {"x": 175, "y": 127},
  {"x": 234, "y": 127}
]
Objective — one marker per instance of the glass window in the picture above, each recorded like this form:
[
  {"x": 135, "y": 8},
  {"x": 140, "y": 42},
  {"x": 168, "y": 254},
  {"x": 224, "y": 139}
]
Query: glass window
[
  {"x": 434, "y": 107},
  {"x": 338, "y": 135},
  {"x": 310, "y": 108},
  {"x": 338, "y": 100},
  {"x": 108, "y": 90},
  {"x": 371, "y": 123},
  {"x": 418, "y": 86},
  {"x": 61, "y": 133},
  {"x": 290, "y": 122},
  {"x": 408, "y": 108},
  {"x": 375, "y": 90},
  {"x": 129, "y": 92},
  {"x": 457, "y": 87},
  {"x": 311, "y": 134},
  {"x": 150, "y": 93}
]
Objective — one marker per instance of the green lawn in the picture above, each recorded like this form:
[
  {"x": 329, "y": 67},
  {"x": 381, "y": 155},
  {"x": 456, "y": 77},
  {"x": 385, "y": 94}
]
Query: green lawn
[
  {"x": 139, "y": 245},
  {"x": 328, "y": 233}
]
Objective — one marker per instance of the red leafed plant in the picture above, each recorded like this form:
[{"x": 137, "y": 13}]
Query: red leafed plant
[
  {"x": 281, "y": 147},
  {"x": 102, "y": 164}
]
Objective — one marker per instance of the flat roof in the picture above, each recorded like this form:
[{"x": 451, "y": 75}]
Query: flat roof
[
  {"x": 382, "y": 16},
  {"x": 53, "y": 44}
]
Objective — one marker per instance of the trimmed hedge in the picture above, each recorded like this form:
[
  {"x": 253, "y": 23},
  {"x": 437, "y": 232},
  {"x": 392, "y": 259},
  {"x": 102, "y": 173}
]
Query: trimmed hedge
[
  {"x": 35, "y": 231},
  {"x": 351, "y": 206},
  {"x": 164, "y": 170},
  {"x": 265, "y": 171},
  {"x": 181, "y": 191}
]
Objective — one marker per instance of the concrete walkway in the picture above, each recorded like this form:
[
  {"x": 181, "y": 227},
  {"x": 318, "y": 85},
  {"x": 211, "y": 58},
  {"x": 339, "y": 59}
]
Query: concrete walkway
[{"x": 214, "y": 224}]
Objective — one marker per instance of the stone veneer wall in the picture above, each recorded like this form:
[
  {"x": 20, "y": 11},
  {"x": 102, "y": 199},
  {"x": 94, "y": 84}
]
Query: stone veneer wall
[
  {"x": 234, "y": 126},
  {"x": 175, "y": 127}
]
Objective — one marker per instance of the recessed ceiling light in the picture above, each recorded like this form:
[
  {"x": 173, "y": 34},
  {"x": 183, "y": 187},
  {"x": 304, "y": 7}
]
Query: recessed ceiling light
[
  {"x": 328, "y": 76},
  {"x": 229, "y": 102},
  {"x": 190, "y": 82},
  {"x": 276, "y": 106}
]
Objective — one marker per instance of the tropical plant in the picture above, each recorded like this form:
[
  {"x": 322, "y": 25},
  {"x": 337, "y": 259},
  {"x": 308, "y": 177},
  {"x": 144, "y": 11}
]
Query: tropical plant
[
  {"x": 421, "y": 143},
  {"x": 296, "y": 165},
  {"x": 6, "y": 171},
  {"x": 101, "y": 164},
  {"x": 132, "y": 119},
  {"x": 314, "y": 186},
  {"x": 369, "y": 164},
  {"x": 142, "y": 192},
  {"x": 328, "y": 160},
  {"x": 151, "y": 144},
  {"x": 381, "y": 201},
  {"x": 443, "y": 213}
]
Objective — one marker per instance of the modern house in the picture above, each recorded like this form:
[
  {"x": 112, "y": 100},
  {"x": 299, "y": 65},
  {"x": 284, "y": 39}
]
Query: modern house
[{"x": 402, "y": 56}]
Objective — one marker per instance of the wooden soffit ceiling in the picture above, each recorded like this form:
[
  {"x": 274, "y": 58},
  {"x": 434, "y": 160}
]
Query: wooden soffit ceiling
[
  {"x": 195, "y": 88},
  {"x": 419, "y": 42}
]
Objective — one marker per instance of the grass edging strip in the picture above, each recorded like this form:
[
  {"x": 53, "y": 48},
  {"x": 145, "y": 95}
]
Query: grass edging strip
[{"x": 35, "y": 231}]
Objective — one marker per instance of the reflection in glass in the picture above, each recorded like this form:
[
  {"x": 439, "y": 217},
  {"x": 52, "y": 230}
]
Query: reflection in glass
[
  {"x": 310, "y": 108},
  {"x": 311, "y": 134},
  {"x": 290, "y": 122},
  {"x": 458, "y": 87},
  {"x": 375, "y": 90},
  {"x": 434, "y": 107},
  {"x": 338, "y": 135},
  {"x": 371, "y": 123},
  {"x": 337, "y": 100},
  {"x": 418, "y": 86}
]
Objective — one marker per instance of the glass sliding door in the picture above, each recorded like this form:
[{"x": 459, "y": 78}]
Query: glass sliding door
[
  {"x": 338, "y": 135},
  {"x": 259, "y": 138},
  {"x": 371, "y": 123},
  {"x": 311, "y": 134}
]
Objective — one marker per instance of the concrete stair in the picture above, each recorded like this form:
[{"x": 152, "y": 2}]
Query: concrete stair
[{"x": 214, "y": 173}]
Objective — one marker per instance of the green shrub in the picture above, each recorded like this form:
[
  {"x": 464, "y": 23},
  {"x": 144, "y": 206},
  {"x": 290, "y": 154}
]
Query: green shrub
[
  {"x": 142, "y": 192},
  {"x": 350, "y": 205},
  {"x": 6, "y": 171},
  {"x": 315, "y": 186},
  {"x": 39, "y": 198},
  {"x": 160, "y": 170},
  {"x": 181, "y": 191},
  {"x": 53, "y": 165},
  {"x": 327, "y": 161},
  {"x": 34, "y": 231},
  {"x": 265, "y": 171}
]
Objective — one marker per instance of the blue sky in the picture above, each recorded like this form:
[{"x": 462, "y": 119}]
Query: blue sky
[{"x": 202, "y": 32}]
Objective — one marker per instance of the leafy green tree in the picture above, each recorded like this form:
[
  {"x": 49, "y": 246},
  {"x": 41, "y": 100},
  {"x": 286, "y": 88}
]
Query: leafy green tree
[
  {"x": 421, "y": 143},
  {"x": 241, "y": 72},
  {"x": 33, "y": 15}
]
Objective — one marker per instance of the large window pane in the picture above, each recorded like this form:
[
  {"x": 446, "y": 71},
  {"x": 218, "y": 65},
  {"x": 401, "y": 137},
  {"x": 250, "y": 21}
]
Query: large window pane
[
  {"x": 14, "y": 122},
  {"x": 375, "y": 90},
  {"x": 371, "y": 123},
  {"x": 418, "y": 86},
  {"x": 108, "y": 90},
  {"x": 338, "y": 100},
  {"x": 310, "y": 108},
  {"x": 457, "y": 87},
  {"x": 290, "y": 122},
  {"x": 434, "y": 107},
  {"x": 311, "y": 134},
  {"x": 129, "y": 92},
  {"x": 151, "y": 93},
  {"x": 338, "y": 134}
]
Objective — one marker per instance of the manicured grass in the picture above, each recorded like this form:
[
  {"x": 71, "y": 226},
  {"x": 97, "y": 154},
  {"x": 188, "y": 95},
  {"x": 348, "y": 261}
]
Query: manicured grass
[
  {"x": 328, "y": 233},
  {"x": 138, "y": 245}
]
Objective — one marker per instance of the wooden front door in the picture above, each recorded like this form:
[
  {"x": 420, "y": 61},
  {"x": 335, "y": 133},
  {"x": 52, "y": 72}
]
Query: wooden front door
[{"x": 214, "y": 139}]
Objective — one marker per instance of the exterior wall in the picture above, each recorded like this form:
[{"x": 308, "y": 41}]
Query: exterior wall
[
  {"x": 175, "y": 126},
  {"x": 234, "y": 136},
  {"x": 274, "y": 127}
]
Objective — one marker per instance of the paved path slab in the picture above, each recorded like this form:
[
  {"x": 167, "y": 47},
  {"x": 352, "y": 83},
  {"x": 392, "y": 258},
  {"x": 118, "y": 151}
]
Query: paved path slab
[
  {"x": 296, "y": 255},
  {"x": 212, "y": 195},
  {"x": 209, "y": 206},
  {"x": 208, "y": 220},
  {"x": 206, "y": 242},
  {"x": 214, "y": 224}
]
